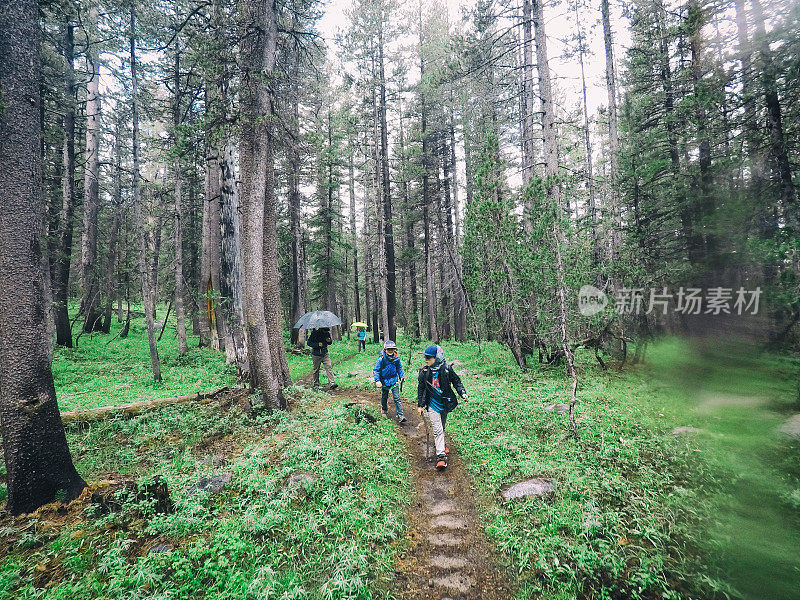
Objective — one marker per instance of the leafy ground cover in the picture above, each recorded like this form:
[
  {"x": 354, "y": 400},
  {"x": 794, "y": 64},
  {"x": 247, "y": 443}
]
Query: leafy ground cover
[
  {"x": 638, "y": 511},
  {"x": 313, "y": 509},
  {"x": 104, "y": 370}
]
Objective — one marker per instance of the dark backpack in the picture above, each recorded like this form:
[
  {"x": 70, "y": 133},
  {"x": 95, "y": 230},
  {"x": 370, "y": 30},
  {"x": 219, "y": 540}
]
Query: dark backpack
[{"x": 450, "y": 402}]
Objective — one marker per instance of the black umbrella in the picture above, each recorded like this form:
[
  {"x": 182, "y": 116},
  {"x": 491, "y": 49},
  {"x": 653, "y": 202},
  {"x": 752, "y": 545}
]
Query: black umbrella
[{"x": 317, "y": 319}]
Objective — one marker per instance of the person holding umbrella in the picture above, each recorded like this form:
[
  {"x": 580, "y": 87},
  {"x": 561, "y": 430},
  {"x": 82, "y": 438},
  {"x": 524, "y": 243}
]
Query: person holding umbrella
[
  {"x": 319, "y": 341},
  {"x": 320, "y": 321}
]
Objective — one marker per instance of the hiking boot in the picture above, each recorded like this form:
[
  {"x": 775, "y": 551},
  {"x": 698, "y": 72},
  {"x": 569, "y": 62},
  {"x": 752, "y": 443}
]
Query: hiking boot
[
  {"x": 334, "y": 386},
  {"x": 384, "y": 413},
  {"x": 442, "y": 463},
  {"x": 446, "y": 450},
  {"x": 401, "y": 418}
]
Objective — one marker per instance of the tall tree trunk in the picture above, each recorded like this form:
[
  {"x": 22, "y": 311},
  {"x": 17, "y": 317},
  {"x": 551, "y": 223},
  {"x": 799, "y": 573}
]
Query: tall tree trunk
[
  {"x": 218, "y": 108},
  {"x": 433, "y": 333},
  {"x": 413, "y": 320},
  {"x": 388, "y": 230},
  {"x": 780, "y": 156},
  {"x": 37, "y": 457},
  {"x": 230, "y": 306},
  {"x": 210, "y": 252},
  {"x": 63, "y": 254},
  {"x": 554, "y": 194},
  {"x": 180, "y": 318},
  {"x": 587, "y": 140},
  {"x": 257, "y": 55},
  {"x": 272, "y": 292},
  {"x": 157, "y": 226},
  {"x": 380, "y": 193},
  {"x": 613, "y": 130},
  {"x": 138, "y": 218},
  {"x": 527, "y": 112},
  {"x": 705, "y": 200},
  {"x": 445, "y": 221},
  {"x": 353, "y": 234},
  {"x": 298, "y": 268},
  {"x": 369, "y": 272},
  {"x": 116, "y": 218},
  {"x": 91, "y": 200}
]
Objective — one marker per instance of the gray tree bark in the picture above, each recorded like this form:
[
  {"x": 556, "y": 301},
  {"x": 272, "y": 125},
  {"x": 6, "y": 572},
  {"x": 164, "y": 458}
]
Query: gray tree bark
[
  {"x": 137, "y": 207},
  {"x": 63, "y": 248},
  {"x": 90, "y": 285},
  {"x": 554, "y": 194},
  {"x": 613, "y": 130},
  {"x": 180, "y": 317},
  {"x": 37, "y": 457},
  {"x": 257, "y": 55}
]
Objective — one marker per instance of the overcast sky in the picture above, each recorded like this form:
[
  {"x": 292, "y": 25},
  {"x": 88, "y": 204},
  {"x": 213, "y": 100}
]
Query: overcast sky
[{"x": 560, "y": 26}]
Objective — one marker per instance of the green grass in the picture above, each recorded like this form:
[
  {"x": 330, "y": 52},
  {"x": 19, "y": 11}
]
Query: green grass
[
  {"x": 637, "y": 512},
  {"x": 334, "y": 537},
  {"x": 100, "y": 372}
]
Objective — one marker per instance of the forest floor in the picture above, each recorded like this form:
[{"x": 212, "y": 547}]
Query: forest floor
[{"x": 330, "y": 500}]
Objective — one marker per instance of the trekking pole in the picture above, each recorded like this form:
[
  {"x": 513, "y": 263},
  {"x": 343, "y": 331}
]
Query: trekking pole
[{"x": 427, "y": 439}]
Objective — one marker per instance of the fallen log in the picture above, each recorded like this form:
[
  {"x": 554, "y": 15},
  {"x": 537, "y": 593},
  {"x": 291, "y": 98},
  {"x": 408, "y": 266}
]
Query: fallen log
[{"x": 135, "y": 408}]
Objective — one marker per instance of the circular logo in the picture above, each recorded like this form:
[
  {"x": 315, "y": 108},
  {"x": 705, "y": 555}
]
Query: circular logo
[{"x": 591, "y": 300}]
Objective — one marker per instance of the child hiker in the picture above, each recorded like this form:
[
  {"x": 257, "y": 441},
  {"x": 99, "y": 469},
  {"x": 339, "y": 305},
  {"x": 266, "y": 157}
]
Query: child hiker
[
  {"x": 387, "y": 374},
  {"x": 362, "y": 339},
  {"x": 435, "y": 394}
]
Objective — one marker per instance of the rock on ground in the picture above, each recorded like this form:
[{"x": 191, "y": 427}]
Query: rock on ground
[
  {"x": 686, "y": 430},
  {"x": 211, "y": 485},
  {"x": 792, "y": 427},
  {"x": 532, "y": 487}
]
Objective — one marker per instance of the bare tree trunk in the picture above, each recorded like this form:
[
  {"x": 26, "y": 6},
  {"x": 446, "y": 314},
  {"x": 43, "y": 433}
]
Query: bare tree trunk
[
  {"x": 156, "y": 225},
  {"x": 230, "y": 307},
  {"x": 381, "y": 190},
  {"x": 613, "y": 130},
  {"x": 386, "y": 197},
  {"x": 527, "y": 112},
  {"x": 37, "y": 457},
  {"x": 116, "y": 218},
  {"x": 61, "y": 260},
  {"x": 554, "y": 193},
  {"x": 442, "y": 239},
  {"x": 210, "y": 238},
  {"x": 272, "y": 293},
  {"x": 587, "y": 139},
  {"x": 137, "y": 206},
  {"x": 298, "y": 336},
  {"x": 257, "y": 55},
  {"x": 414, "y": 321},
  {"x": 91, "y": 199},
  {"x": 353, "y": 236},
  {"x": 180, "y": 318},
  {"x": 433, "y": 333}
]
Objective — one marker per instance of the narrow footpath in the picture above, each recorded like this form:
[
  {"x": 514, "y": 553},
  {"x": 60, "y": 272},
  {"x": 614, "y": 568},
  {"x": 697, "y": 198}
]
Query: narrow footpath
[{"x": 448, "y": 555}]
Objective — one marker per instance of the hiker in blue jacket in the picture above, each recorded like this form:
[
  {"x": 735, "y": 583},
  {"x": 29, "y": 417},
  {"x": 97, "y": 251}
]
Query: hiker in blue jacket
[
  {"x": 362, "y": 339},
  {"x": 387, "y": 375},
  {"x": 435, "y": 393}
]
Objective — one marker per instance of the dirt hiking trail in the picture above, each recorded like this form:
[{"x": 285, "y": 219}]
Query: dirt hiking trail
[{"x": 448, "y": 555}]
